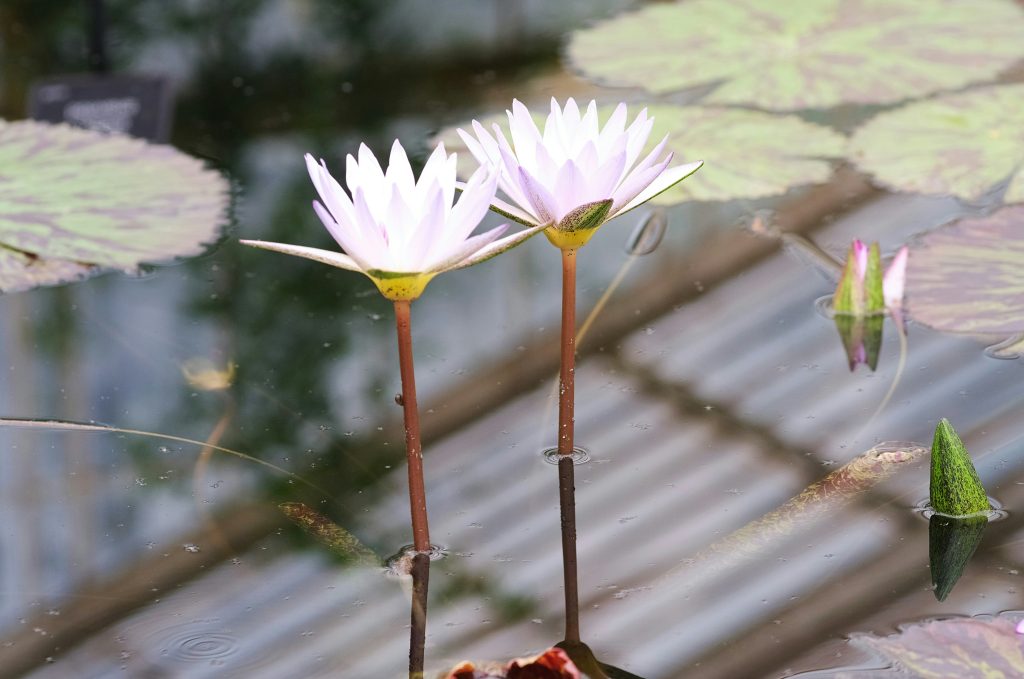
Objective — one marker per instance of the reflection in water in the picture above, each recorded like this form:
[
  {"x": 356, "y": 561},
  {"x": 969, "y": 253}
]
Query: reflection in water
[
  {"x": 1008, "y": 349},
  {"x": 418, "y": 633},
  {"x": 951, "y": 544}
]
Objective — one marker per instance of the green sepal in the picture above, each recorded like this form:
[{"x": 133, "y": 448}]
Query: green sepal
[
  {"x": 873, "y": 293},
  {"x": 849, "y": 295},
  {"x": 956, "y": 489},
  {"x": 579, "y": 225}
]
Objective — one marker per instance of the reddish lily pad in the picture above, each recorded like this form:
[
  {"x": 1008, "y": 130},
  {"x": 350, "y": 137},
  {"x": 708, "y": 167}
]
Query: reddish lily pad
[
  {"x": 964, "y": 145},
  {"x": 75, "y": 201},
  {"x": 746, "y": 154},
  {"x": 804, "y": 53},
  {"x": 968, "y": 276},
  {"x": 954, "y": 648}
]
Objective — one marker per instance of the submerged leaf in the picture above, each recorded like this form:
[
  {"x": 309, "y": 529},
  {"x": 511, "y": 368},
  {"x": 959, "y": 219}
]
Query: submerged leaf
[
  {"x": 956, "y": 648},
  {"x": 73, "y": 201},
  {"x": 804, "y": 53},
  {"x": 336, "y": 538},
  {"x": 963, "y": 144},
  {"x": 956, "y": 489},
  {"x": 968, "y": 276},
  {"x": 748, "y": 154}
]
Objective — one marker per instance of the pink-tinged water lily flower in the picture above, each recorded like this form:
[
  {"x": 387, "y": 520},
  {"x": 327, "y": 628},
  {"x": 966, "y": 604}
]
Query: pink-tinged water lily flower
[
  {"x": 574, "y": 175},
  {"x": 894, "y": 280},
  {"x": 400, "y": 231},
  {"x": 863, "y": 289},
  {"x": 863, "y": 296}
]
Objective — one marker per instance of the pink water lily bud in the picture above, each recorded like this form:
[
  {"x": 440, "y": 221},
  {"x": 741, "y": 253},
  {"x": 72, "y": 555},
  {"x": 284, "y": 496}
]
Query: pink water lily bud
[
  {"x": 895, "y": 280},
  {"x": 574, "y": 175},
  {"x": 399, "y": 230}
]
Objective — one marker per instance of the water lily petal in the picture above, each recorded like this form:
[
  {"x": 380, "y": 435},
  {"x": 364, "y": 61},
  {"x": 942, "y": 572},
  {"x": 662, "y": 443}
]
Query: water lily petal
[
  {"x": 316, "y": 254},
  {"x": 347, "y": 240},
  {"x": 540, "y": 199},
  {"x": 895, "y": 279},
  {"x": 634, "y": 185},
  {"x": 499, "y": 246},
  {"x": 455, "y": 259},
  {"x": 473, "y": 204},
  {"x": 665, "y": 181}
]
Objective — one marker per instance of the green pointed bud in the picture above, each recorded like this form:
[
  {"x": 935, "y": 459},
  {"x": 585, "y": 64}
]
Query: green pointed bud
[
  {"x": 849, "y": 296},
  {"x": 956, "y": 489},
  {"x": 874, "y": 302}
]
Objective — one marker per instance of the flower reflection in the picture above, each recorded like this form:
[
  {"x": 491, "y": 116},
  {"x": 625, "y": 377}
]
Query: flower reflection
[{"x": 863, "y": 296}]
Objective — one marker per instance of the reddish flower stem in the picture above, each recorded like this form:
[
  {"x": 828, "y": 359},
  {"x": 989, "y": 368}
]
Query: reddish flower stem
[
  {"x": 566, "y": 472},
  {"x": 413, "y": 449}
]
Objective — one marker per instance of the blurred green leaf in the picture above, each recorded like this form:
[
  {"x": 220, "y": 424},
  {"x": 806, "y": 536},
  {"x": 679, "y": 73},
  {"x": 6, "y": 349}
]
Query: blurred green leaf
[
  {"x": 963, "y": 145},
  {"x": 91, "y": 200},
  {"x": 804, "y": 53}
]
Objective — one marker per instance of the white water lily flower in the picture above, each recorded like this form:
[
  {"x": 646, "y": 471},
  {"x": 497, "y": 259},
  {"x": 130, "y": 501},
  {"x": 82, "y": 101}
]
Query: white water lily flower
[
  {"x": 400, "y": 231},
  {"x": 574, "y": 176}
]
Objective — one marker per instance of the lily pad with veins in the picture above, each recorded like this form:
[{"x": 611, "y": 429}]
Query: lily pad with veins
[
  {"x": 955, "y": 648},
  {"x": 803, "y": 54},
  {"x": 968, "y": 276},
  {"x": 964, "y": 145},
  {"x": 746, "y": 154},
  {"x": 74, "y": 202}
]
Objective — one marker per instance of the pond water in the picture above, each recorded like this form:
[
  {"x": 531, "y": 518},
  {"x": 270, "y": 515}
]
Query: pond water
[{"x": 746, "y": 504}]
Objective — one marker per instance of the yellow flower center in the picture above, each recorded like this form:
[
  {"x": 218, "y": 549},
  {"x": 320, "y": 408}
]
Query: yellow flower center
[
  {"x": 398, "y": 286},
  {"x": 568, "y": 240}
]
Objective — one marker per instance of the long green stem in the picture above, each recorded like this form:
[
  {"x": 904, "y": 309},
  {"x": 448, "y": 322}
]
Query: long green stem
[
  {"x": 413, "y": 449},
  {"x": 566, "y": 472}
]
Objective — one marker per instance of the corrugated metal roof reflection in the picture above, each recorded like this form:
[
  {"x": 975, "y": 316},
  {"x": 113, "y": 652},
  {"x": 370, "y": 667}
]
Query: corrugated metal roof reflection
[{"x": 664, "y": 483}]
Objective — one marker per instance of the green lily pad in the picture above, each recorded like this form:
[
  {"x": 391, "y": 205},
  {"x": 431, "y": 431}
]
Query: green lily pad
[
  {"x": 968, "y": 276},
  {"x": 75, "y": 201},
  {"x": 746, "y": 154},
  {"x": 963, "y": 145},
  {"x": 804, "y": 54}
]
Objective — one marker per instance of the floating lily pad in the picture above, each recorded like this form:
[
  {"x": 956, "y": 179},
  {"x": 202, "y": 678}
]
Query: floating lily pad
[
  {"x": 804, "y": 53},
  {"x": 968, "y": 276},
  {"x": 954, "y": 648},
  {"x": 963, "y": 145},
  {"x": 746, "y": 154},
  {"x": 75, "y": 201}
]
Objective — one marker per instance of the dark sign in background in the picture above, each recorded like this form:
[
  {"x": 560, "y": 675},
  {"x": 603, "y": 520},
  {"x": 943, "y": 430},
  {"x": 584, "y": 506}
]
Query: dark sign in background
[
  {"x": 127, "y": 104},
  {"x": 136, "y": 105}
]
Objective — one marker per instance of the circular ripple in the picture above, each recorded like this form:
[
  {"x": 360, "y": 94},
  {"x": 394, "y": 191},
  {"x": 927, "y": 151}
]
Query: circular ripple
[
  {"x": 401, "y": 562},
  {"x": 580, "y": 455},
  {"x": 925, "y": 510},
  {"x": 202, "y": 646}
]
